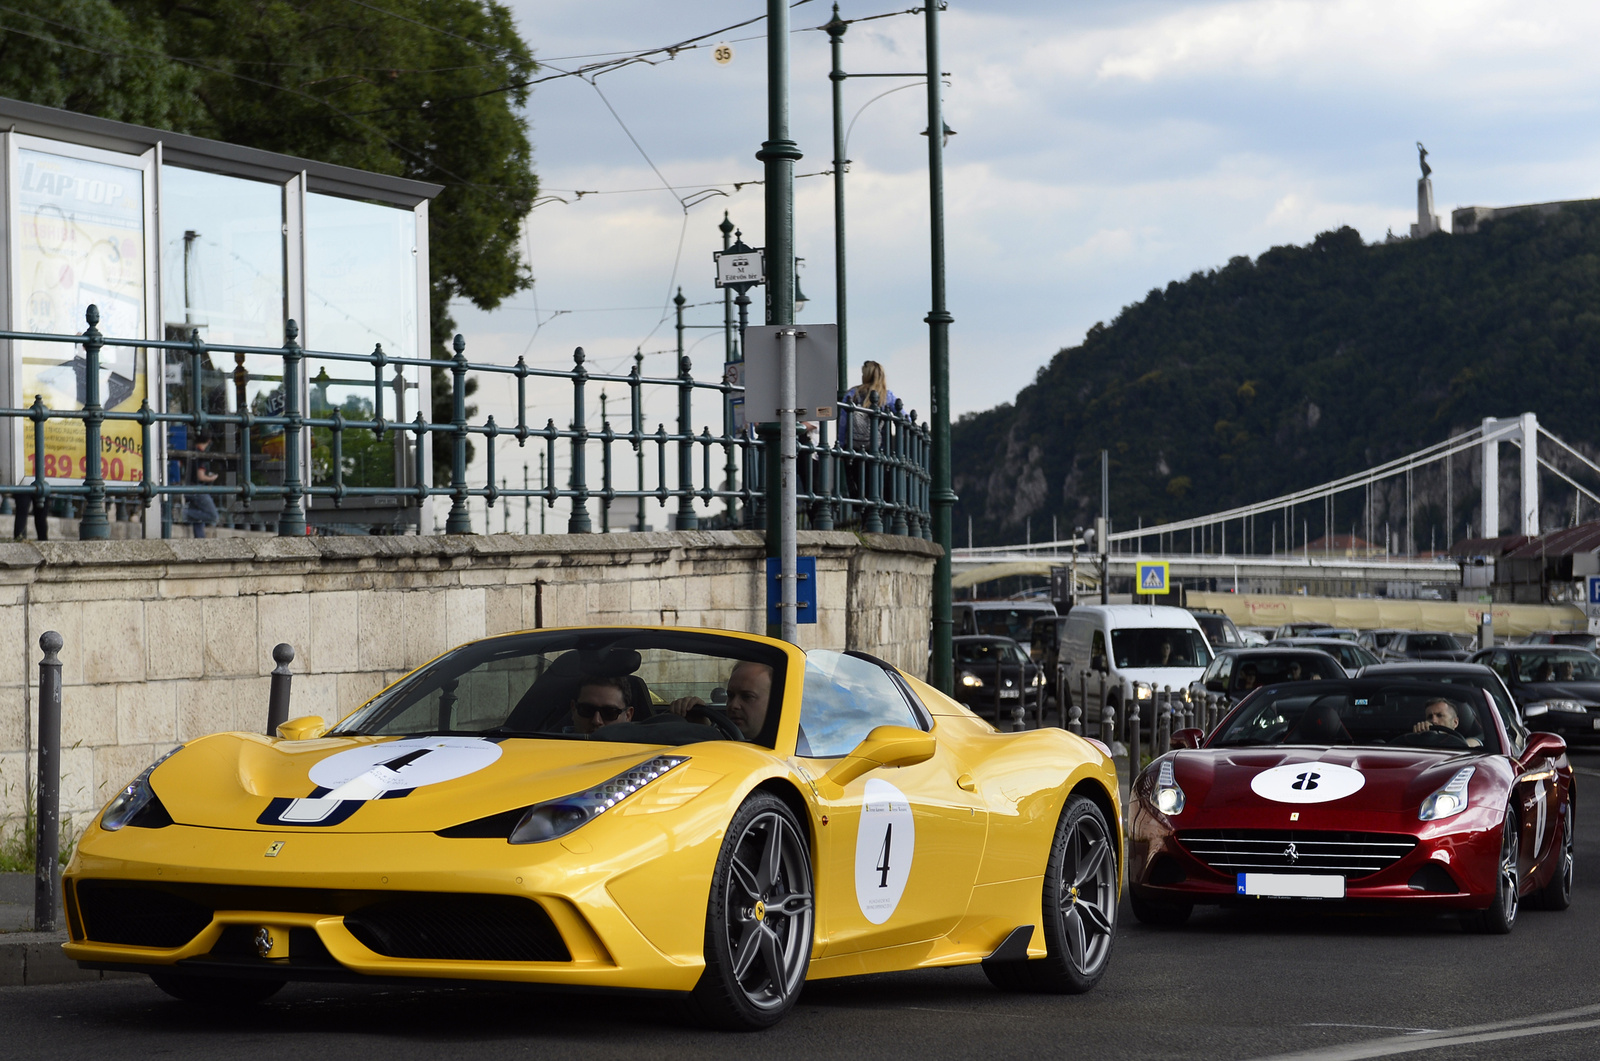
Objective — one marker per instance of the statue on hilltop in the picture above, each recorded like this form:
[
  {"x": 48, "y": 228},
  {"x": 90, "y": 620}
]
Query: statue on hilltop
[{"x": 1422, "y": 158}]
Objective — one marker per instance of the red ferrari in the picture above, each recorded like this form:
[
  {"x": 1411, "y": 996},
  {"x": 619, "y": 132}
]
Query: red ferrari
[{"x": 1408, "y": 794}]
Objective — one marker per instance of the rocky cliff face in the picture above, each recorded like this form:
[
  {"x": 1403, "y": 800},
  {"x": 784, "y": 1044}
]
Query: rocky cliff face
[{"x": 1265, "y": 376}]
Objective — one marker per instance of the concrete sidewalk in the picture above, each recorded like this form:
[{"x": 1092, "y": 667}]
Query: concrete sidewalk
[{"x": 28, "y": 957}]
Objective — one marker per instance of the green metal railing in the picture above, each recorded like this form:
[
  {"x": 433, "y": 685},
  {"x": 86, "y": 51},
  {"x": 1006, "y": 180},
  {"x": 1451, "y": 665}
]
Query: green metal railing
[{"x": 874, "y": 479}]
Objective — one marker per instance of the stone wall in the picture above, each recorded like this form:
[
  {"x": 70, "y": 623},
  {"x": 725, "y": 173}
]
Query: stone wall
[{"x": 170, "y": 640}]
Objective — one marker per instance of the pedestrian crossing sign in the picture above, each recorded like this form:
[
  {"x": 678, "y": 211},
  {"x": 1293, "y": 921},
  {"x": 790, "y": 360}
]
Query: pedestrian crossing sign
[{"x": 1152, "y": 575}]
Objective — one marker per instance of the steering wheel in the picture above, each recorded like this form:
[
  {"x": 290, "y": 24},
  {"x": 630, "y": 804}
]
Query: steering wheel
[
  {"x": 1437, "y": 736},
  {"x": 718, "y": 719}
]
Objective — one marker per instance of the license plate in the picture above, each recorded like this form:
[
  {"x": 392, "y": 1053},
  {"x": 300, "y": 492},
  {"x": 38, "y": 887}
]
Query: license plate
[
  {"x": 1292, "y": 885},
  {"x": 1010, "y": 694}
]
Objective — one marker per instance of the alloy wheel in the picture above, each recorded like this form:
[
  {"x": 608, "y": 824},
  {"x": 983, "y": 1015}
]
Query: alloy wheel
[
  {"x": 1088, "y": 894},
  {"x": 769, "y": 907}
]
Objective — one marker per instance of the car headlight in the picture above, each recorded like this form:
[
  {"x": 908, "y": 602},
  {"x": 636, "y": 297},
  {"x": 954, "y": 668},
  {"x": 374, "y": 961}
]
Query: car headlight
[
  {"x": 1038, "y": 677},
  {"x": 1169, "y": 797},
  {"x": 1540, "y": 707},
  {"x": 1449, "y": 800},
  {"x": 127, "y": 804},
  {"x": 971, "y": 680},
  {"x": 557, "y": 817},
  {"x": 1141, "y": 691}
]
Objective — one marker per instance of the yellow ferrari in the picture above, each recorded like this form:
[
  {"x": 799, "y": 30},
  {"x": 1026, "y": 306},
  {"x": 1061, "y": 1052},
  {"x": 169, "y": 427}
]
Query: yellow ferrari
[{"x": 714, "y": 814}]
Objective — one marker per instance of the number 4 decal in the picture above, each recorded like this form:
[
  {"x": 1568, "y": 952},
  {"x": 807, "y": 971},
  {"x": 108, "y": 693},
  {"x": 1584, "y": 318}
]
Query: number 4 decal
[{"x": 883, "y": 856}]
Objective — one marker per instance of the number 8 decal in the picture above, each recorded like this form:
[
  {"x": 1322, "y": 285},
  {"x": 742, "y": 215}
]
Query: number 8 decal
[{"x": 885, "y": 846}]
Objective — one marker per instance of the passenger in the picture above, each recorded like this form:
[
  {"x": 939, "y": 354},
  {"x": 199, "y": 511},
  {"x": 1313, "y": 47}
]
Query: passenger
[
  {"x": 1247, "y": 678},
  {"x": 1547, "y": 672},
  {"x": 1295, "y": 673},
  {"x": 1441, "y": 714},
  {"x": 749, "y": 688},
  {"x": 601, "y": 701},
  {"x": 1566, "y": 672}
]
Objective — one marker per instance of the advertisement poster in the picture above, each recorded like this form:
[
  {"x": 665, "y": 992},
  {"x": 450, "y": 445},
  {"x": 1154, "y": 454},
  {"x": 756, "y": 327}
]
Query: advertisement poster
[{"x": 80, "y": 242}]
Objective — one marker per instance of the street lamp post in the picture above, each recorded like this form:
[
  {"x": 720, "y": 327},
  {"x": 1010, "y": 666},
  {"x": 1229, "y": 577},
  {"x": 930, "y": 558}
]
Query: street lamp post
[
  {"x": 778, "y": 154},
  {"x": 940, "y": 671},
  {"x": 837, "y": 76}
]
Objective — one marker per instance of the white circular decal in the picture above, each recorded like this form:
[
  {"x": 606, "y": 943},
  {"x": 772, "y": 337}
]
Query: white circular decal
[
  {"x": 884, "y": 846},
  {"x": 1307, "y": 783},
  {"x": 374, "y": 769}
]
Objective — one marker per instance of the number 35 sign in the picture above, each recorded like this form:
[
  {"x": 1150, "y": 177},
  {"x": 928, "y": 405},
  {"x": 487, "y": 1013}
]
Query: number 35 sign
[{"x": 723, "y": 54}]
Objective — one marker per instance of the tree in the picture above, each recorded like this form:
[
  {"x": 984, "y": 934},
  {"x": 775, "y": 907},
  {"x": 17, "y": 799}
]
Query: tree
[{"x": 426, "y": 89}]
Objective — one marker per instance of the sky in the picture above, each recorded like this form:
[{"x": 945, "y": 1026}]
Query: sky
[{"x": 1101, "y": 149}]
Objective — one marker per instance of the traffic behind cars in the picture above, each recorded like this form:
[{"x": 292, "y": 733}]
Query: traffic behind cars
[
  {"x": 1136, "y": 648},
  {"x": 1000, "y": 618},
  {"x": 1557, "y": 689},
  {"x": 1238, "y": 672},
  {"x": 1351, "y": 656},
  {"x": 995, "y": 678},
  {"x": 1421, "y": 644}
]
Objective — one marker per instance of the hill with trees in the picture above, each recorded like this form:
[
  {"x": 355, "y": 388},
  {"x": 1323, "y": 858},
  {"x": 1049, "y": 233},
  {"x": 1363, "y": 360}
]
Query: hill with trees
[{"x": 1264, "y": 376}]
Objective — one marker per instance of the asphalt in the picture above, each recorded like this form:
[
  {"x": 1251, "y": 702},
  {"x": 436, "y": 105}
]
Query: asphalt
[{"x": 1232, "y": 984}]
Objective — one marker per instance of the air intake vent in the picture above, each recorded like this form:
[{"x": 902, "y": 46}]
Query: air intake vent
[
  {"x": 488, "y": 928},
  {"x": 138, "y": 915},
  {"x": 1351, "y": 855}
]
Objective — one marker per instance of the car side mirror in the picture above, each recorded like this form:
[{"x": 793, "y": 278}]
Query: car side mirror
[
  {"x": 884, "y": 746},
  {"x": 1187, "y": 738},
  {"x": 306, "y": 727},
  {"x": 1546, "y": 745},
  {"x": 1217, "y": 685}
]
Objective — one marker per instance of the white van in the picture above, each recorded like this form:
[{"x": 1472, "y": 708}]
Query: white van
[{"x": 1139, "y": 649}]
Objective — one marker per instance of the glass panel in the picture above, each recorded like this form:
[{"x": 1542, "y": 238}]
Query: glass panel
[
  {"x": 361, "y": 292},
  {"x": 845, "y": 699},
  {"x": 223, "y": 275},
  {"x": 80, "y": 241}
]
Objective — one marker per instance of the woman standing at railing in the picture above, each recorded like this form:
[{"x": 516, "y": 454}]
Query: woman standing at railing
[{"x": 872, "y": 390}]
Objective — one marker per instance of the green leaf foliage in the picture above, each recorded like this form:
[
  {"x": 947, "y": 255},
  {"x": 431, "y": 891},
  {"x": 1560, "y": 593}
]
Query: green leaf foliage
[{"x": 1308, "y": 363}]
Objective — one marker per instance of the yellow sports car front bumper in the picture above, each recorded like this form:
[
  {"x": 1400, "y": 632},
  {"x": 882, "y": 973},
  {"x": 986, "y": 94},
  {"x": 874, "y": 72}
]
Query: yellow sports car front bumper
[{"x": 322, "y": 906}]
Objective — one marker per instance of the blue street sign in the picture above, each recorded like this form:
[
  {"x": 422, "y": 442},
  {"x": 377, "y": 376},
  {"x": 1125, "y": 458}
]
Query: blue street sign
[
  {"x": 1594, "y": 589},
  {"x": 805, "y": 592},
  {"x": 1153, "y": 576}
]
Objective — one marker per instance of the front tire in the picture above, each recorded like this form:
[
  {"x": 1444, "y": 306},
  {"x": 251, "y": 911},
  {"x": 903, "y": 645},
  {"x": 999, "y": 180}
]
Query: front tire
[
  {"x": 759, "y": 920},
  {"x": 1080, "y": 908},
  {"x": 1501, "y": 916},
  {"x": 216, "y": 990}
]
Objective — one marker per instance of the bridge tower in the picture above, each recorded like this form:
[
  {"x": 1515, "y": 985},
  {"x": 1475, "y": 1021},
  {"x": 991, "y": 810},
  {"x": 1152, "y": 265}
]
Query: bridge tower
[{"x": 1523, "y": 430}]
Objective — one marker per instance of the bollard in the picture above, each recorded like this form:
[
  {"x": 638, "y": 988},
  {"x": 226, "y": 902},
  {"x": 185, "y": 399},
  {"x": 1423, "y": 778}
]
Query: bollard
[
  {"x": 1134, "y": 758},
  {"x": 278, "y": 696},
  {"x": 1163, "y": 738},
  {"x": 1103, "y": 704},
  {"x": 47, "y": 819},
  {"x": 1108, "y": 724},
  {"x": 1083, "y": 693}
]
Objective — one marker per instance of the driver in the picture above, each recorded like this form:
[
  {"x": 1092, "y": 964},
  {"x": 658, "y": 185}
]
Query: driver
[
  {"x": 1441, "y": 714},
  {"x": 749, "y": 687},
  {"x": 1248, "y": 679},
  {"x": 601, "y": 701}
]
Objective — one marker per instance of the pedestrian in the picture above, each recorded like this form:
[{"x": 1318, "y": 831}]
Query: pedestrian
[
  {"x": 24, "y": 502},
  {"x": 201, "y": 510},
  {"x": 872, "y": 391}
]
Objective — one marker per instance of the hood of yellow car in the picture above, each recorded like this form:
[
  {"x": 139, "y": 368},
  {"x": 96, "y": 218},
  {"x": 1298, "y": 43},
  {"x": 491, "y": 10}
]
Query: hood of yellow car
[{"x": 379, "y": 784}]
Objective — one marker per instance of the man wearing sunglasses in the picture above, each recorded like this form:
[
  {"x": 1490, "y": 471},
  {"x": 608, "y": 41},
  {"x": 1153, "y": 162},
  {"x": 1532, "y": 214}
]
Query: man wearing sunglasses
[{"x": 600, "y": 702}]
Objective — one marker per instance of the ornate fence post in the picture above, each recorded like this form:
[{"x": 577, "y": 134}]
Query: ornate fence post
[
  {"x": 93, "y": 525},
  {"x": 897, "y": 450},
  {"x": 292, "y": 521},
  {"x": 685, "y": 518},
  {"x": 460, "y": 519},
  {"x": 578, "y": 522},
  {"x": 871, "y": 473}
]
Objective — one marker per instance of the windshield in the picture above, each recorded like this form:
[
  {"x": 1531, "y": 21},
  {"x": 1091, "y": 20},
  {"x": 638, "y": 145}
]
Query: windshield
[
  {"x": 1405, "y": 714},
  {"x": 989, "y": 651},
  {"x": 1557, "y": 665},
  {"x": 1015, "y": 623},
  {"x": 1156, "y": 647},
  {"x": 1433, "y": 643},
  {"x": 1220, "y": 631},
  {"x": 637, "y": 686}
]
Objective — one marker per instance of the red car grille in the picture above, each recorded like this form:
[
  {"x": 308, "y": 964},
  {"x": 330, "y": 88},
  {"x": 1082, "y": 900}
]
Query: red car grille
[{"x": 1349, "y": 854}]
